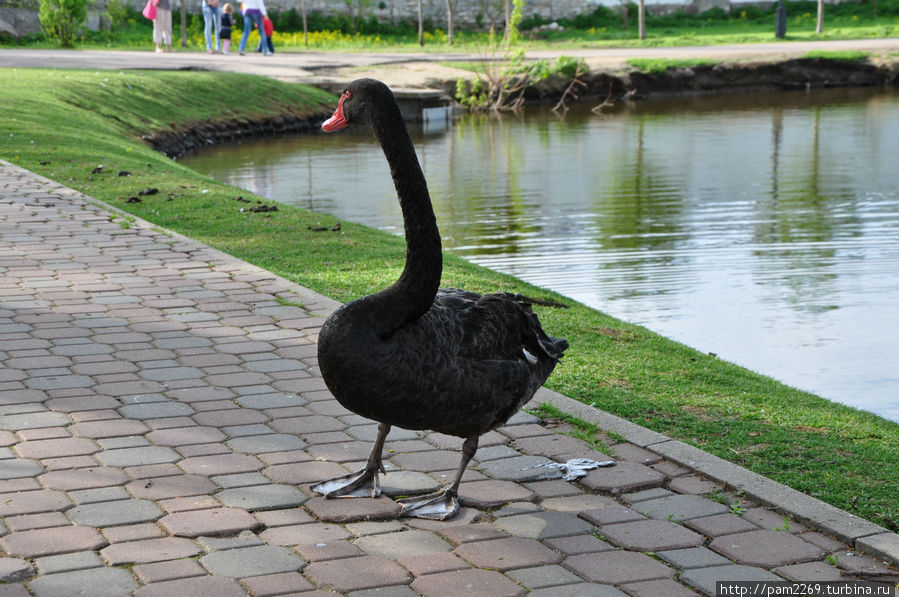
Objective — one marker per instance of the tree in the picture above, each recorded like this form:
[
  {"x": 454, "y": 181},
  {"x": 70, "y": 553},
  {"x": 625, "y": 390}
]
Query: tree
[
  {"x": 819, "y": 28},
  {"x": 117, "y": 11},
  {"x": 356, "y": 9},
  {"x": 305, "y": 26},
  {"x": 641, "y": 20},
  {"x": 625, "y": 13},
  {"x": 61, "y": 20},
  {"x": 507, "y": 9},
  {"x": 450, "y": 19},
  {"x": 421, "y": 25},
  {"x": 184, "y": 26},
  {"x": 514, "y": 14}
]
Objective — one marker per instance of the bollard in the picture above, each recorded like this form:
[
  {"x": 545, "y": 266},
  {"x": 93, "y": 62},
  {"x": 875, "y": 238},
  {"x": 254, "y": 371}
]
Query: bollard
[{"x": 780, "y": 24}]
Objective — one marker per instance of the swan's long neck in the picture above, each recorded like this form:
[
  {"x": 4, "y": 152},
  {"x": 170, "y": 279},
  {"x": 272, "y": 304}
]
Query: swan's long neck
[{"x": 413, "y": 293}]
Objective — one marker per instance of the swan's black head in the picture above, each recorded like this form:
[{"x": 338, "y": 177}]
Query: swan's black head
[{"x": 360, "y": 101}]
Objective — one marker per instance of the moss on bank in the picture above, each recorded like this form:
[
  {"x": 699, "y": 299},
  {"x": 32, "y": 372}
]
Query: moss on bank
[{"x": 63, "y": 124}]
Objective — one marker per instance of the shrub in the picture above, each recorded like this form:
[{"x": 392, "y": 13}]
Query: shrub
[
  {"x": 716, "y": 13},
  {"x": 600, "y": 17},
  {"x": 532, "y": 22},
  {"x": 289, "y": 20},
  {"x": 118, "y": 12},
  {"x": 61, "y": 20}
]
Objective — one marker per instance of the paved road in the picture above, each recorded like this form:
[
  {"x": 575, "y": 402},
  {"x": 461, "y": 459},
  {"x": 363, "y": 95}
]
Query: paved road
[{"x": 300, "y": 66}]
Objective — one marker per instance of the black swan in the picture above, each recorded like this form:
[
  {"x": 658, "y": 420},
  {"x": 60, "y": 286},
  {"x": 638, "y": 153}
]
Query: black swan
[{"x": 416, "y": 356}]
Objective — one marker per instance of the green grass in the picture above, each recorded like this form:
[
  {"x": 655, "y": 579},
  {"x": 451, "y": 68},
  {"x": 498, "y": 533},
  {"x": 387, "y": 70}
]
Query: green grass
[
  {"x": 62, "y": 124},
  {"x": 660, "y": 65},
  {"x": 847, "y": 55}
]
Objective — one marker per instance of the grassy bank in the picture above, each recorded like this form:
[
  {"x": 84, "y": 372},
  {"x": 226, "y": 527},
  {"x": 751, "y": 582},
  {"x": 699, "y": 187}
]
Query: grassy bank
[{"x": 63, "y": 124}]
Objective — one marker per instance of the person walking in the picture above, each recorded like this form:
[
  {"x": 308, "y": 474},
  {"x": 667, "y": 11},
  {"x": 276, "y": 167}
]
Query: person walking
[
  {"x": 265, "y": 38},
  {"x": 253, "y": 12},
  {"x": 212, "y": 23},
  {"x": 162, "y": 26}
]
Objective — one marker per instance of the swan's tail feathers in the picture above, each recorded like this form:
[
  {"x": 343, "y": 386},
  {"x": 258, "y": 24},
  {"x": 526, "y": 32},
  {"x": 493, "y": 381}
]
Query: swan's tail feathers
[
  {"x": 554, "y": 347},
  {"x": 528, "y": 300}
]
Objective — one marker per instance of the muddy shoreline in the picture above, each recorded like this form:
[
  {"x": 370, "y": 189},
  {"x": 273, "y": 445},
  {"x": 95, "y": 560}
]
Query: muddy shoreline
[{"x": 724, "y": 78}]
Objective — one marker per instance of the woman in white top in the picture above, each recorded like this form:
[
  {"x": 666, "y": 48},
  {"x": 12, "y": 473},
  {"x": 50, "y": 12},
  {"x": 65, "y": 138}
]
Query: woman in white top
[{"x": 253, "y": 10}]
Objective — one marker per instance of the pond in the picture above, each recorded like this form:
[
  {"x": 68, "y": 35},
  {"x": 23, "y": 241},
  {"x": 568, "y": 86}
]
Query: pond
[{"x": 762, "y": 228}]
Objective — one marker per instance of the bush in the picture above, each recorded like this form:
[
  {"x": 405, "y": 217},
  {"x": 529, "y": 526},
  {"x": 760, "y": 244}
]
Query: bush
[
  {"x": 600, "y": 17},
  {"x": 716, "y": 13},
  {"x": 532, "y": 22},
  {"x": 61, "y": 20},
  {"x": 118, "y": 13},
  {"x": 289, "y": 20}
]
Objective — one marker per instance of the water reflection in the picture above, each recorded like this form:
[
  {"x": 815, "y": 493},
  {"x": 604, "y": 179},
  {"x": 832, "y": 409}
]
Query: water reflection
[{"x": 762, "y": 228}]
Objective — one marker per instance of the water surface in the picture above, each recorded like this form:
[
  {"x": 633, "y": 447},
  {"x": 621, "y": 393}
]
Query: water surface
[{"x": 762, "y": 228}]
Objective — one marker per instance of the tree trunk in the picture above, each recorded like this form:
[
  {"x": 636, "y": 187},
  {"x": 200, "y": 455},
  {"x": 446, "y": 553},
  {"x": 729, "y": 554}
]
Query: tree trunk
[
  {"x": 450, "y": 20},
  {"x": 507, "y": 8},
  {"x": 641, "y": 20},
  {"x": 421, "y": 25},
  {"x": 819, "y": 28},
  {"x": 183, "y": 26},
  {"x": 305, "y": 26}
]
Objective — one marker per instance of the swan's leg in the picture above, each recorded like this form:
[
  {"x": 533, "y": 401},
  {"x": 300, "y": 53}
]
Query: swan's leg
[
  {"x": 445, "y": 503},
  {"x": 365, "y": 483}
]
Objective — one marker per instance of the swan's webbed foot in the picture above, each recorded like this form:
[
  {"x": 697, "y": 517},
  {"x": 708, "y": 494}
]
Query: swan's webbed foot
[
  {"x": 365, "y": 483},
  {"x": 434, "y": 506}
]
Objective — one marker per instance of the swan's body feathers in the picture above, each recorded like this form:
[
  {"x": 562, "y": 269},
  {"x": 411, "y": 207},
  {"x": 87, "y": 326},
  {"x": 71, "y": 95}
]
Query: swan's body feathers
[{"x": 460, "y": 369}]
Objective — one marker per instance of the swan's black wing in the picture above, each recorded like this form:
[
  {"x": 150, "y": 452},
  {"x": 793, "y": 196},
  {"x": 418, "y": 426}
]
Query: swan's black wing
[
  {"x": 492, "y": 326},
  {"x": 469, "y": 363}
]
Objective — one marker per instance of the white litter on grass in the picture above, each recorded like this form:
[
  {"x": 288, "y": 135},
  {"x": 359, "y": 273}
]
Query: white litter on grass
[{"x": 577, "y": 467}]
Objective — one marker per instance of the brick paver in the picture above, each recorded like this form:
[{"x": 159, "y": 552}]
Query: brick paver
[
  {"x": 508, "y": 554},
  {"x": 162, "y": 418},
  {"x": 767, "y": 549},
  {"x": 356, "y": 574}
]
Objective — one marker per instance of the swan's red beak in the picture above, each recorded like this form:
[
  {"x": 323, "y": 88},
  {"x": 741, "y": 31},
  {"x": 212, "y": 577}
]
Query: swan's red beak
[{"x": 337, "y": 120}]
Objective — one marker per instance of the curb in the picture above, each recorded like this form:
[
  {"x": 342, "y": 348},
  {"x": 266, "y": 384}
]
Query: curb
[{"x": 863, "y": 535}]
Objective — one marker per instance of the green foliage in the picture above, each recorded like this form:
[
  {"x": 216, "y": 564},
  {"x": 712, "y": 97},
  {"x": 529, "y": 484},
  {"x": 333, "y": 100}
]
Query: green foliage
[
  {"x": 716, "y": 13},
  {"x": 503, "y": 88},
  {"x": 473, "y": 94},
  {"x": 602, "y": 16},
  {"x": 119, "y": 11},
  {"x": 514, "y": 20},
  {"x": 290, "y": 20},
  {"x": 569, "y": 67},
  {"x": 62, "y": 20}
]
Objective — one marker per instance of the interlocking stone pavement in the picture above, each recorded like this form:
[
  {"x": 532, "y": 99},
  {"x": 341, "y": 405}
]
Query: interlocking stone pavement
[{"x": 162, "y": 417}]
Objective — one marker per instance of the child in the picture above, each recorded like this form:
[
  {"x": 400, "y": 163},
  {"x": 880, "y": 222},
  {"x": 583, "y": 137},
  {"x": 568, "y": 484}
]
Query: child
[
  {"x": 265, "y": 36},
  {"x": 225, "y": 33}
]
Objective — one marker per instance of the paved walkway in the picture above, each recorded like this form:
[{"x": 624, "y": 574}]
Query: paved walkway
[
  {"x": 419, "y": 67},
  {"x": 162, "y": 415}
]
